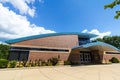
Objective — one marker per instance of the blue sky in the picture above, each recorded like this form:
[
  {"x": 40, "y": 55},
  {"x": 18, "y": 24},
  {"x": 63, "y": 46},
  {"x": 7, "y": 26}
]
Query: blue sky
[{"x": 29, "y": 17}]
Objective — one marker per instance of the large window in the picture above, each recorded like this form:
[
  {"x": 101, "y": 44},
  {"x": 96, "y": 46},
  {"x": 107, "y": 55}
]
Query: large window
[
  {"x": 83, "y": 40},
  {"x": 19, "y": 55},
  {"x": 38, "y": 49}
]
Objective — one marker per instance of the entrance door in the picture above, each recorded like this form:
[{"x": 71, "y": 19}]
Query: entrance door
[{"x": 85, "y": 57}]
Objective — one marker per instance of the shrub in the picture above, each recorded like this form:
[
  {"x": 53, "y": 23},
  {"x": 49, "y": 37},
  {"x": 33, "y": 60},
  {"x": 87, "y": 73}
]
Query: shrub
[
  {"x": 75, "y": 63},
  {"x": 29, "y": 63},
  {"x": 67, "y": 63},
  {"x": 43, "y": 63},
  {"x": 24, "y": 63},
  {"x": 39, "y": 62},
  {"x": 3, "y": 63},
  {"x": 13, "y": 63},
  {"x": 114, "y": 60},
  {"x": 36, "y": 62},
  {"x": 53, "y": 61},
  {"x": 32, "y": 64},
  {"x": 20, "y": 64},
  {"x": 49, "y": 63}
]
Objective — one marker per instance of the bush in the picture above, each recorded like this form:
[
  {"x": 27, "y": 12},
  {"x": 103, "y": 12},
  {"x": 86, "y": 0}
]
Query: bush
[
  {"x": 13, "y": 64},
  {"x": 39, "y": 62},
  {"x": 67, "y": 63},
  {"x": 75, "y": 63},
  {"x": 3, "y": 63},
  {"x": 43, "y": 63},
  {"x": 32, "y": 64},
  {"x": 20, "y": 64},
  {"x": 24, "y": 63},
  {"x": 53, "y": 61},
  {"x": 114, "y": 60}
]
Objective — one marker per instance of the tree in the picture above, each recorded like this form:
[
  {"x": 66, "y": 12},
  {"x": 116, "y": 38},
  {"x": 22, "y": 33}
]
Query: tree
[
  {"x": 113, "y": 40},
  {"x": 4, "y": 51},
  {"x": 112, "y": 5}
]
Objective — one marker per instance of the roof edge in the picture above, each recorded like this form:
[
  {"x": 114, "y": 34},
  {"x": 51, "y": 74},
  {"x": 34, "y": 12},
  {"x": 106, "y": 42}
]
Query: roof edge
[
  {"x": 88, "y": 35},
  {"x": 94, "y": 44}
]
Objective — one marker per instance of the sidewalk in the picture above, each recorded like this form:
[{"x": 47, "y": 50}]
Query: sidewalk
[{"x": 90, "y": 72}]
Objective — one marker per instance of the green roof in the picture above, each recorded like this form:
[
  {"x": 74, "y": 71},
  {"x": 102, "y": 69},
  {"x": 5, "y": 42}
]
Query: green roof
[{"x": 81, "y": 35}]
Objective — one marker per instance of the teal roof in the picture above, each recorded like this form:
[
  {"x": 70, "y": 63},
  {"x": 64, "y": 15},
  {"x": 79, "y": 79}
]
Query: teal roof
[
  {"x": 82, "y": 35},
  {"x": 95, "y": 44}
]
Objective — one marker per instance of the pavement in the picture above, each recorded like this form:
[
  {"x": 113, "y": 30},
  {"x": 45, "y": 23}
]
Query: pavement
[{"x": 84, "y": 72}]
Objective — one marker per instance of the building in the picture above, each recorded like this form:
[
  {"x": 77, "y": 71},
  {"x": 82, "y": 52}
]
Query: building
[{"x": 74, "y": 47}]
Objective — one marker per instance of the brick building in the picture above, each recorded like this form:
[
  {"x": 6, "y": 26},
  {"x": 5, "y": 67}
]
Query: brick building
[{"x": 74, "y": 47}]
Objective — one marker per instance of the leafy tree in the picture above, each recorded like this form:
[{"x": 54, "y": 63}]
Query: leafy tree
[
  {"x": 4, "y": 50},
  {"x": 112, "y": 5},
  {"x": 113, "y": 40},
  {"x": 98, "y": 39}
]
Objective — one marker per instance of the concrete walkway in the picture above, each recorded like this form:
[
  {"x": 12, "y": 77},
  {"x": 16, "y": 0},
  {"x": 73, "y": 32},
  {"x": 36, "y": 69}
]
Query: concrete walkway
[{"x": 90, "y": 72}]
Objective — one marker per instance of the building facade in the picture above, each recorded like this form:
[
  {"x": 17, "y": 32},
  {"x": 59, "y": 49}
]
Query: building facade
[{"x": 74, "y": 47}]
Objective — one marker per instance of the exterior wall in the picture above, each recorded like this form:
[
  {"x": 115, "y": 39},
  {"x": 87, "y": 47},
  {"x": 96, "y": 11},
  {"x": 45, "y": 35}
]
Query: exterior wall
[
  {"x": 61, "y": 41},
  {"x": 45, "y": 55},
  {"x": 74, "y": 56},
  {"x": 97, "y": 56},
  {"x": 53, "y": 42},
  {"x": 107, "y": 57}
]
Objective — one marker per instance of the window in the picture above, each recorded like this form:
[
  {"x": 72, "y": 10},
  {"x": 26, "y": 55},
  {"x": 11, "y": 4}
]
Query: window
[
  {"x": 83, "y": 40},
  {"x": 19, "y": 55},
  {"x": 112, "y": 52},
  {"x": 39, "y": 49}
]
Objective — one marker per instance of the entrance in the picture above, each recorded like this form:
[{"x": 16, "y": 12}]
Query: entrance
[{"x": 85, "y": 57}]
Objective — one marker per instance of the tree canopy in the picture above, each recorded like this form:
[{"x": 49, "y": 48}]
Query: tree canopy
[
  {"x": 112, "y": 5},
  {"x": 4, "y": 51},
  {"x": 113, "y": 40}
]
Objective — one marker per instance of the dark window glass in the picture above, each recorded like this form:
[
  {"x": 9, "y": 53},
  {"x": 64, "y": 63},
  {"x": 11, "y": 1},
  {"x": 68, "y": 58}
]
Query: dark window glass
[
  {"x": 83, "y": 40},
  {"x": 112, "y": 52},
  {"x": 19, "y": 55},
  {"x": 40, "y": 49}
]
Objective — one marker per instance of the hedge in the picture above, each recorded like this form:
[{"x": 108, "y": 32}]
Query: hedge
[
  {"x": 12, "y": 64},
  {"x": 3, "y": 63}
]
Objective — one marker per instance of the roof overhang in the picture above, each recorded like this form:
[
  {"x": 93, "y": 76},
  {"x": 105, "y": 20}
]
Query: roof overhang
[
  {"x": 97, "y": 46},
  {"x": 82, "y": 35}
]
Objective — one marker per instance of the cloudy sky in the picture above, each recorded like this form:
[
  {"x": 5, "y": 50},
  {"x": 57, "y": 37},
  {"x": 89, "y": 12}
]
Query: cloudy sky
[{"x": 19, "y": 18}]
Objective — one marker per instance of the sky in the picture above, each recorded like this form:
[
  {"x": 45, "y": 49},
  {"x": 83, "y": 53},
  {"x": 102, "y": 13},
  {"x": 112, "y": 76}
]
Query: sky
[{"x": 20, "y": 18}]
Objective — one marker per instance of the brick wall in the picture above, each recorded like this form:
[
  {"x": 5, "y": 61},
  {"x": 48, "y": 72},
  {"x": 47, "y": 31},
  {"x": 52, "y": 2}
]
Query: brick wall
[
  {"x": 107, "y": 57},
  {"x": 62, "y": 41},
  {"x": 47, "y": 55},
  {"x": 74, "y": 56}
]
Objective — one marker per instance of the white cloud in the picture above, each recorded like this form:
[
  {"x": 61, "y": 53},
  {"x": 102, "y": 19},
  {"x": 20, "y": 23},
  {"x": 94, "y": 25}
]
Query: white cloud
[
  {"x": 41, "y": 1},
  {"x": 97, "y": 32},
  {"x": 13, "y": 25},
  {"x": 22, "y": 6},
  {"x": 84, "y": 31}
]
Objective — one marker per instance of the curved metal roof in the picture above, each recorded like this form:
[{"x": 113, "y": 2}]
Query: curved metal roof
[
  {"x": 82, "y": 35},
  {"x": 95, "y": 44}
]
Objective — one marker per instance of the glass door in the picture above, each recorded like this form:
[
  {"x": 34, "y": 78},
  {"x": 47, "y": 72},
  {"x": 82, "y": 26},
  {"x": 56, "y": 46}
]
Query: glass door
[{"x": 85, "y": 57}]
